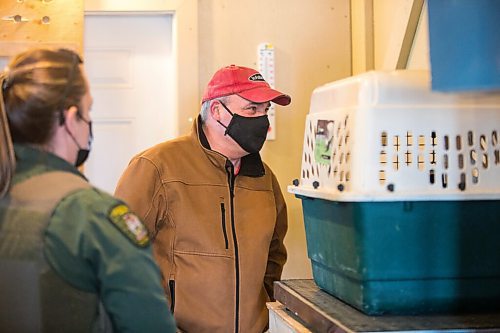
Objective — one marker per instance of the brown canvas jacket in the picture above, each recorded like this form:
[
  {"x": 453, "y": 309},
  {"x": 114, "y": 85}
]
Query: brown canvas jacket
[{"x": 217, "y": 238}]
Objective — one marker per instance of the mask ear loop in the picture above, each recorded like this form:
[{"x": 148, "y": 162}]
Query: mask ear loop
[
  {"x": 89, "y": 123},
  {"x": 225, "y": 107},
  {"x": 232, "y": 114}
]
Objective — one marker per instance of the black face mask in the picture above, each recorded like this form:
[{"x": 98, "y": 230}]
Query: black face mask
[
  {"x": 249, "y": 132},
  {"x": 83, "y": 153},
  {"x": 82, "y": 156}
]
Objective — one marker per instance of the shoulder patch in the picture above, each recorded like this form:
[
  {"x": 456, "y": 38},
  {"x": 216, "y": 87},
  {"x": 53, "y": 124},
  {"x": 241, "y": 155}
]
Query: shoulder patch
[{"x": 129, "y": 224}]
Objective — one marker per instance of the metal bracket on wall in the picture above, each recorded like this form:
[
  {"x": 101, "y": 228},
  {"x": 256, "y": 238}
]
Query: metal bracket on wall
[{"x": 411, "y": 30}]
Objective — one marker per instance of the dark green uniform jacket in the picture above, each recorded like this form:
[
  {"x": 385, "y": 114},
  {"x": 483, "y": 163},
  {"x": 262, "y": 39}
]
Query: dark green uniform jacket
[{"x": 80, "y": 264}]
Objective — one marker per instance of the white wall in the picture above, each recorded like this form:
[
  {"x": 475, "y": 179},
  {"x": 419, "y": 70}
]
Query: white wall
[
  {"x": 390, "y": 21},
  {"x": 378, "y": 30}
]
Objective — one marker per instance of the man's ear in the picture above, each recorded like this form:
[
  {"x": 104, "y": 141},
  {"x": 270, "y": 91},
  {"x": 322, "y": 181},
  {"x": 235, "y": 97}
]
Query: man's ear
[{"x": 215, "y": 109}]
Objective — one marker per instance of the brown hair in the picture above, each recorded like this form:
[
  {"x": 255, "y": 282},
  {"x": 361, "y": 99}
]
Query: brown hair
[{"x": 36, "y": 88}]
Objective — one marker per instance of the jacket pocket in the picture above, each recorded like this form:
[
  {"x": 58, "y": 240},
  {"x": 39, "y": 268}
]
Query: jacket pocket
[
  {"x": 171, "y": 287},
  {"x": 223, "y": 221}
]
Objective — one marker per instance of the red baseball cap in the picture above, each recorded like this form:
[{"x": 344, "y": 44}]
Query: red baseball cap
[{"x": 244, "y": 82}]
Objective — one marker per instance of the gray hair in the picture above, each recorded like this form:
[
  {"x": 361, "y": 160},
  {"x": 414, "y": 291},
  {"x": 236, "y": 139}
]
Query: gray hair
[{"x": 205, "y": 107}]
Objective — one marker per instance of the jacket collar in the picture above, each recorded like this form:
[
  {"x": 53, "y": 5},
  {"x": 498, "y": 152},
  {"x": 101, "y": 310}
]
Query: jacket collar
[
  {"x": 31, "y": 161},
  {"x": 251, "y": 165}
]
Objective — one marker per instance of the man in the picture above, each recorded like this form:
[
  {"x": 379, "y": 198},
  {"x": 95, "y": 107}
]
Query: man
[{"x": 214, "y": 210}]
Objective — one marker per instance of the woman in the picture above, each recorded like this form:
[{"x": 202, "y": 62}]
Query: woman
[{"x": 72, "y": 258}]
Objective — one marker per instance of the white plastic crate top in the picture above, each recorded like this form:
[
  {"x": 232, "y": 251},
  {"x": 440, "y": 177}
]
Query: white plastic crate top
[{"x": 385, "y": 136}]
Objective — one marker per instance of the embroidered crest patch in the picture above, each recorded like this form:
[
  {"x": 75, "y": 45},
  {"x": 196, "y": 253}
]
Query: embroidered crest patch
[{"x": 129, "y": 224}]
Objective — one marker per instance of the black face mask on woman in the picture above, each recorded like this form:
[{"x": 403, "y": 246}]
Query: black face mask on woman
[
  {"x": 249, "y": 132},
  {"x": 83, "y": 153},
  {"x": 82, "y": 156}
]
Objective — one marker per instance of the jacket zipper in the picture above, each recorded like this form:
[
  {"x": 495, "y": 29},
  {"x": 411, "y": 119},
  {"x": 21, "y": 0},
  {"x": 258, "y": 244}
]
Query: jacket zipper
[
  {"x": 171, "y": 287},
  {"x": 223, "y": 215},
  {"x": 231, "y": 178}
]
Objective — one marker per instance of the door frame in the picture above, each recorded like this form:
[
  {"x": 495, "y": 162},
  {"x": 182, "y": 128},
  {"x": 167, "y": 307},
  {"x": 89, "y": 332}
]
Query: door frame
[{"x": 185, "y": 46}]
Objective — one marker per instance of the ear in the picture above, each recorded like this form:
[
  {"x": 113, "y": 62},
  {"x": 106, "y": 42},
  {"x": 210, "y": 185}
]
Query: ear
[
  {"x": 71, "y": 117},
  {"x": 215, "y": 109}
]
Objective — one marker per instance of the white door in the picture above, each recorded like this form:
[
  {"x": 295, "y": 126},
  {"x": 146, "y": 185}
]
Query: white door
[{"x": 129, "y": 62}]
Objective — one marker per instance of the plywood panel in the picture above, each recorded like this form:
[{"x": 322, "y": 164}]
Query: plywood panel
[{"x": 32, "y": 23}]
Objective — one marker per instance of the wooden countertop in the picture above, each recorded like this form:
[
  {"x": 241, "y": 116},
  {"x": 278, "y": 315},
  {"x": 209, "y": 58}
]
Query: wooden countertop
[{"x": 322, "y": 312}]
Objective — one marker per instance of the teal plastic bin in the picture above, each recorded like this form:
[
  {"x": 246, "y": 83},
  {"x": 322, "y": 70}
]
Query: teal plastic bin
[{"x": 406, "y": 257}]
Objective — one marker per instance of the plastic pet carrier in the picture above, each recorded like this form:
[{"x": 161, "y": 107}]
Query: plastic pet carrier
[{"x": 400, "y": 189}]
